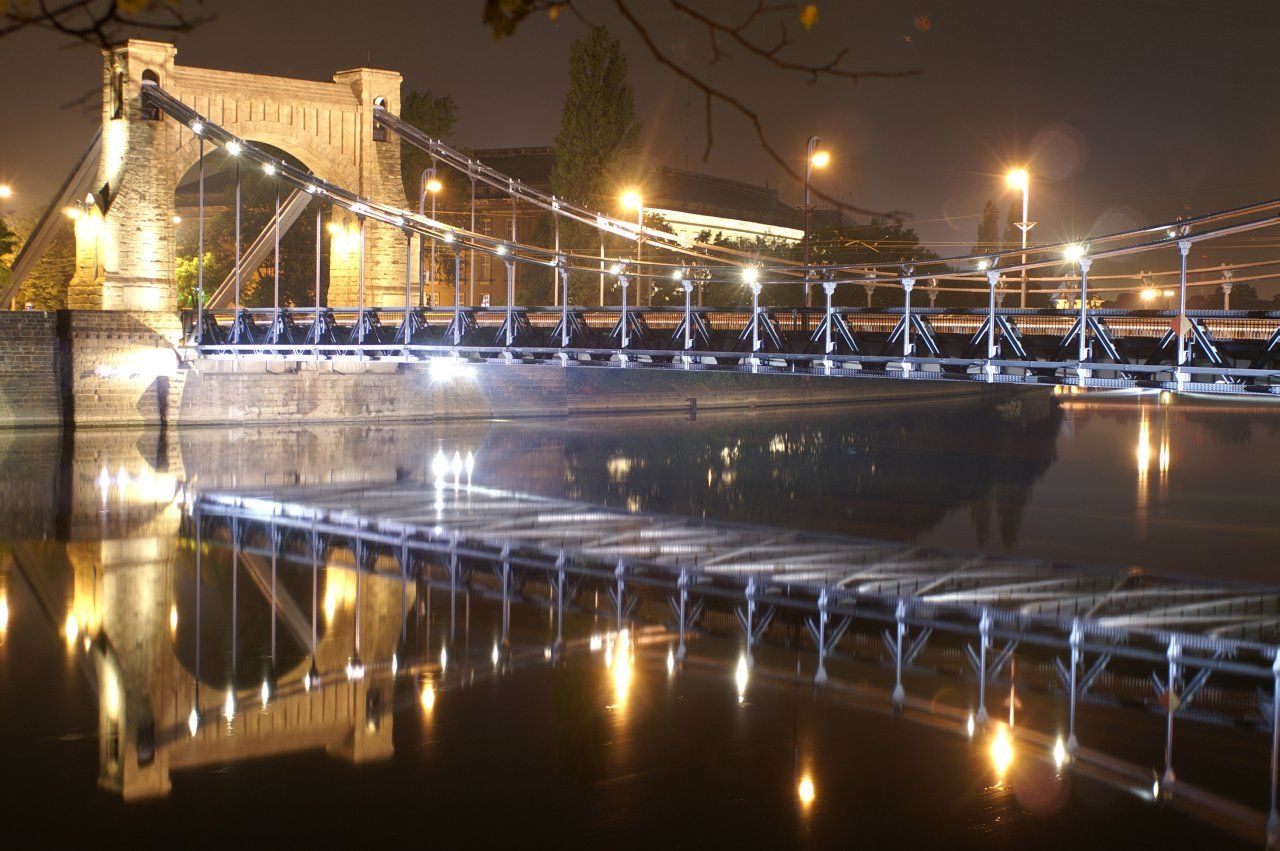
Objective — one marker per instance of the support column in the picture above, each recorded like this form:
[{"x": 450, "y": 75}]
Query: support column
[
  {"x": 1083, "y": 353},
  {"x": 1167, "y": 778},
  {"x": 993, "y": 278}
]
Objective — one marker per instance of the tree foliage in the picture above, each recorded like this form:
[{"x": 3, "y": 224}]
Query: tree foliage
[
  {"x": 435, "y": 115},
  {"x": 598, "y": 146},
  {"x": 988, "y": 230}
]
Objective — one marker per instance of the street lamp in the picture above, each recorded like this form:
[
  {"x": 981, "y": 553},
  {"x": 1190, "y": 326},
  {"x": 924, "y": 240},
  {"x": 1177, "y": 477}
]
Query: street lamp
[
  {"x": 813, "y": 158},
  {"x": 633, "y": 200},
  {"x": 1019, "y": 179},
  {"x": 6, "y": 191},
  {"x": 430, "y": 186}
]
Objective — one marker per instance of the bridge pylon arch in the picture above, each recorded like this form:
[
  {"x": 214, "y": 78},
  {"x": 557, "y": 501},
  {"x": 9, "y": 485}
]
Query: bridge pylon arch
[{"x": 126, "y": 234}]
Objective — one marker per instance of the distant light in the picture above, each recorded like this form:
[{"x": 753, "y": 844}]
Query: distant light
[
  {"x": 177, "y": 220},
  {"x": 434, "y": 186},
  {"x": 266, "y": 694},
  {"x": 1073, "y": 252},
  {"x": 820, "y": 159},
  {"x": 1059, "y": 753},
  {"x": 1017, "y": 178},
  {"x": 233, "y": 148},
  {"x": 193, "y": 722},
  {"x": 4, "y": 613},
  {"x": 334, "y": 229},
  {"x": 444, "y": 658},
  {"x": 1155, "y": 789},
  {"x": 269, "y": 168},
  {"x": 73, "y": 213},
  {"x": 71, "y": 629},
  {"x": 1167, "y": 293},
  {"x": 197, "y": 127},
  {"x": 595, "y": 643},
  {"x": 805, "y": 791},
  {"x": 470, "y": 463},
  {"x": 1150, "y": 294},
  {"x": 6, "y": 191},
  {"x": 983, "y": 265},
  {"x": 631, "y": 200},
  {"x": 395, "y": 664},
  {"x": 456, "y": 466},
  {"x": 969, "y": 725},
  {"x": 502, "y": 250},
  {"x": 229, "y": 708},
  {"x": 495, "y": 656},
  {"x": 173, "y": 619},
  {"x": 671, "y": 661},
  {"x": 449, "y": 237},
  {"x": 679, "y": 274},
  {"x": 439, "y": 465},
  {"x": 750, "y": 275}
]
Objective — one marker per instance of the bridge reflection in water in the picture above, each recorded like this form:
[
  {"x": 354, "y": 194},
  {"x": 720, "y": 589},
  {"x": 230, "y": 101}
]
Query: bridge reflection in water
[
  {"x": 296, "y": 618},
  {"x": 1082, "y": 634}
]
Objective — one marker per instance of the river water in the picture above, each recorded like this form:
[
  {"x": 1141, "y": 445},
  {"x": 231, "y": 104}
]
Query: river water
[{"x": 108, "y": 629}]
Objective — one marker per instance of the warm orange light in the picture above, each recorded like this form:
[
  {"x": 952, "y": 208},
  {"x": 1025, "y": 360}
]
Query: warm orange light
[
  {"x": 1150, "y": 294},
  {"x": 806, "y": 792},
  {"x": 334, "y": 228},
  {"x": 177, "y": 220},
  {"x": 73, "y": 213},
  {"x": 631, "y": 200},
  {"x": 1017, "y": 179},
  {"x": 6, "y": 191},
  {"x": 434, "y": 186},
  {"x": 820, "y": 159}
]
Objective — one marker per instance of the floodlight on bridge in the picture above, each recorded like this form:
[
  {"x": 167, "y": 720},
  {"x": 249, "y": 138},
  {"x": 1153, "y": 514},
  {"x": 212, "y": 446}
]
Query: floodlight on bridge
[
  {"x": 750, "y": 275},
  {"x": 233, "y": 148},
  {"x": 197, "y": 127},
  {"x": 269, "y": 168},
  {"x": 1017, "y": 178},
  {"x": 434, "y": 186},
  {"x": 1074, "y": 252},
  {"x": 6, "y": 191}
]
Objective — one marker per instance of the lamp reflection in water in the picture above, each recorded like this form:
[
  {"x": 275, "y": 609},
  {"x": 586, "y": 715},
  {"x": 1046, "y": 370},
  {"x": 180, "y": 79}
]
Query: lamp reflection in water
[
  {"x": 4, "y": 613},
  {"x": 621, "y": 668},
  {"x": 741, "y": 675},
  {"x": 1001, "y": 751},
  {"x": 806, "y": 792},
  {"x": 427, "y": 695}
]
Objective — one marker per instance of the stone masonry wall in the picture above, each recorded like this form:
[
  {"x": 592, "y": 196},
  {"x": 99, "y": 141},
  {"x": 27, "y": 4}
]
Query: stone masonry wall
[{"x": 29, "y": 394}]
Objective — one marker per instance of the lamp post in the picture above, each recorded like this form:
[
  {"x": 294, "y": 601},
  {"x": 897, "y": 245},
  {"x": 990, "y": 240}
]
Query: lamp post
[
  {"x": 1019, "y": 179},
  {"x": 430, "y": 185},
  {"x": 633, "y": 200},
  {"x": 1078, "y": 254},
  {"x": 813, "y": 158}
]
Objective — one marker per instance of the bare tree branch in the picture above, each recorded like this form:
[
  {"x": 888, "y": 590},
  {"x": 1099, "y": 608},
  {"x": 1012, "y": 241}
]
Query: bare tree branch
[
  {"x": 100, "y": 23},
  {"x": 712, "y": 94}
]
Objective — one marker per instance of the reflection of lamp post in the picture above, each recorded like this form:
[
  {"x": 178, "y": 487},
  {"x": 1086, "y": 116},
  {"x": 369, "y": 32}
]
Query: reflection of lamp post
[
  {"x": 819, "y": 159},
  {"x": 1019, "y": 179},
  {"x": 632, "y": 200},
  {"x": 1226, "y": 289}
]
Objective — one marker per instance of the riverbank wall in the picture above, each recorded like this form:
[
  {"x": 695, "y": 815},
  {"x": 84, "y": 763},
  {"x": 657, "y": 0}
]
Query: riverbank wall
[{"x": 112, "y": 369}]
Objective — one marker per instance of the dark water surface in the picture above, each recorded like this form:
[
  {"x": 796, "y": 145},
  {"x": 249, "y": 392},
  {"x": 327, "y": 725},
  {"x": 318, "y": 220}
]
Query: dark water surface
[{"x": 111, "y": 636}]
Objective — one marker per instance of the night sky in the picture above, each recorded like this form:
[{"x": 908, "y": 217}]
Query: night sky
[{"x": 1127, "y": 113}]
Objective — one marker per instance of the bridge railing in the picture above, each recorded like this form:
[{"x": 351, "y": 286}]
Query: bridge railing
[{"x": 1229, "y": 351}]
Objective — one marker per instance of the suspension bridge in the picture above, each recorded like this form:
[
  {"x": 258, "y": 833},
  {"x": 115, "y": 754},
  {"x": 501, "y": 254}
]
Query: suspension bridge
[{"x": 159, "y": 121}]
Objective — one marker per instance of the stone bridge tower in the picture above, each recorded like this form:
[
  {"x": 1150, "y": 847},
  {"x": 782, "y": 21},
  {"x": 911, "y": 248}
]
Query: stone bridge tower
[{"x": 125, "y": 233}]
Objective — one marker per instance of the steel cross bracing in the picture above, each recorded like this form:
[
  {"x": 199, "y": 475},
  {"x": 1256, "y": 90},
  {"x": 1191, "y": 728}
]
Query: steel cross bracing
[
  {"x": 1230, "y": 352},
  {"x": 1220, "y": 626}
]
